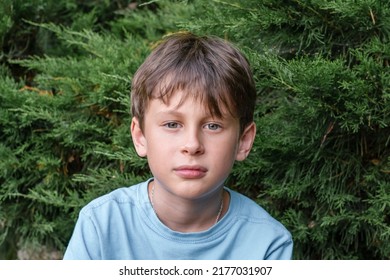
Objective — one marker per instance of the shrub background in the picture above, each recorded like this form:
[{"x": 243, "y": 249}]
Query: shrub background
[{"x": 321, "y": 160}]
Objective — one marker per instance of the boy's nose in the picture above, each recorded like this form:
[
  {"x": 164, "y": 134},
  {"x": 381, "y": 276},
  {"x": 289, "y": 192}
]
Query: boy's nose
[{"x": 193, "y": 144}]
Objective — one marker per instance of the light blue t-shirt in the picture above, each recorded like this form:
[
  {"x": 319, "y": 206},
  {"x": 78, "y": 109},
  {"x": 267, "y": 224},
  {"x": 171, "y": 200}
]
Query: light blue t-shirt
[{"x": 123, "y": 225}]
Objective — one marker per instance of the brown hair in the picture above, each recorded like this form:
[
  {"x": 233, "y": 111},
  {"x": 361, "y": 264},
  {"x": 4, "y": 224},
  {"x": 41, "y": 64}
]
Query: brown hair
[{"x": 207, "y": 68}]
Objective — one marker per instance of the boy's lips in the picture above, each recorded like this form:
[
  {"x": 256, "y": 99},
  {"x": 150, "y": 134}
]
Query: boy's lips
[{"x": 190, "y": 171}]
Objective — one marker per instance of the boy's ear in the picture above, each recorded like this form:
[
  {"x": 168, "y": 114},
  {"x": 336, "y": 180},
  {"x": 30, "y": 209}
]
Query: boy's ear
[
  {"x": 246, "y": 141},
  {"x": 139, "y": 139}
]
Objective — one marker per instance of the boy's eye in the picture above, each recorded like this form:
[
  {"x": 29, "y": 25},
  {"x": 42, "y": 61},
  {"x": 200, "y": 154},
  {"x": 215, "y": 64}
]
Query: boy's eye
[
  {"x": 213, "y": 126},
  {"x": 172, "y": 125}
]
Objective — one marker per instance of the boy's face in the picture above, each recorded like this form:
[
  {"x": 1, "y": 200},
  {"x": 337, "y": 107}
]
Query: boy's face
[{"x": 190, "y": 152}]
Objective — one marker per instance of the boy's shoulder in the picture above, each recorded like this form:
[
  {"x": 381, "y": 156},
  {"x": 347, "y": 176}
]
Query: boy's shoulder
[
  {"x": 124, "y": 195},
  {"x": 250, "y": 211},
  {"x": 247, "y": 206}
]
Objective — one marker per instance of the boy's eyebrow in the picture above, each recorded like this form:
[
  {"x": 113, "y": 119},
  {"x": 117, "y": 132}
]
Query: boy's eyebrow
[
  {"x": 169, "y": 112},
  {"x": 175, "y": 113}
]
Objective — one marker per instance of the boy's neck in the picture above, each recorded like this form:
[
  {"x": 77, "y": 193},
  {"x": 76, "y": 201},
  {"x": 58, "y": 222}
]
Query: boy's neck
[{"x": 187, "y": 215}]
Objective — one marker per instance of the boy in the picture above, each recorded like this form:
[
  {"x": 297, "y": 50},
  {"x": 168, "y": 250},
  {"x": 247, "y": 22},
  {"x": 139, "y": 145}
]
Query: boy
[{"x": 192, "y": 103}]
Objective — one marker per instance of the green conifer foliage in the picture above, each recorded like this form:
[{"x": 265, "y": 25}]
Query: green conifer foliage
[
  {"x": 322, "y": 156},
  {"x": 321, "y": 159},
  {"x": 54, "y": 132},
  {"x": 65, "y": 115}
]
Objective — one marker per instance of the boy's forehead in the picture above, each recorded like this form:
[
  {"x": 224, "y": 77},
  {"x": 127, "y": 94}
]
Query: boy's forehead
[
  {"x": 173, "y": 90},
  {"x": 174, "y": 100}
]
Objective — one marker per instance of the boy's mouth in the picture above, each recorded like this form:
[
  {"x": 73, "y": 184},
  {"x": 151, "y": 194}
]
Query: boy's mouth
[{"x": 190, "y": 171}]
